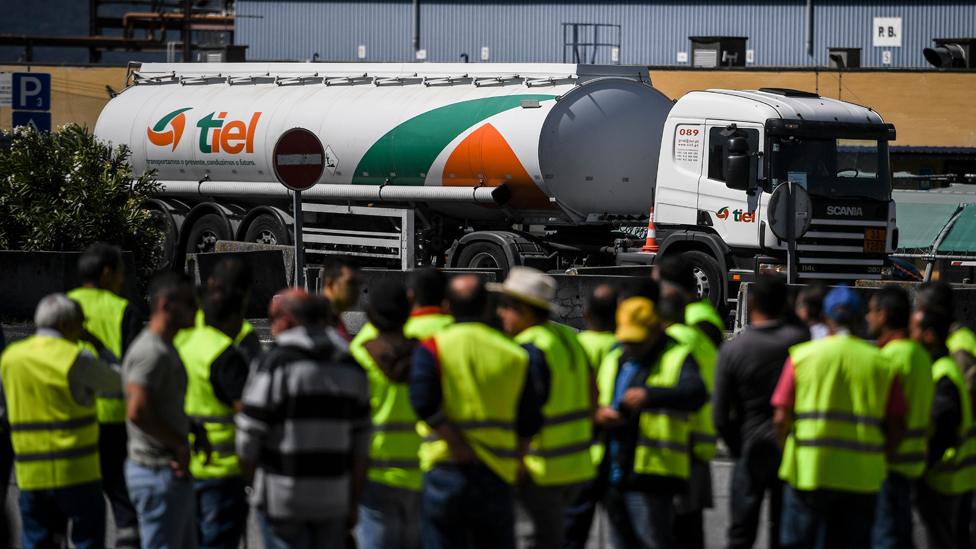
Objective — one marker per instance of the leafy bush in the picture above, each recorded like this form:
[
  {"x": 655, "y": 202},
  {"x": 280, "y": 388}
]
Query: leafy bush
[{"x": 64, "y": 190}]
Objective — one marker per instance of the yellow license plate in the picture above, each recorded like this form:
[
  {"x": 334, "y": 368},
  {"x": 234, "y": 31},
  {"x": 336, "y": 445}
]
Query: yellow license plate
[
  {"x": 874, "y": 246},
  {"x": 874, "y": 234}
]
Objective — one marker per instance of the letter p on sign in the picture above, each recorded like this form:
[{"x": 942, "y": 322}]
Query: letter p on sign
[
  {"x": 31, "y": 91},
  {"x": 886, "y": 32}
]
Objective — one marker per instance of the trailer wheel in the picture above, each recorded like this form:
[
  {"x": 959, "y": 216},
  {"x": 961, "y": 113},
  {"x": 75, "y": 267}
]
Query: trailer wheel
[
  {"x": 267, "y": 229},
  {"x": 168, "y": 246},
  {"x": 205, "y": 233},
  {"x": 707, "y": 275},
  {"x": 482, "y": 255}
]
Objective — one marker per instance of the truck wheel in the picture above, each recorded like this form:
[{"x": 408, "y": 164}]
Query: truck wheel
[
  {"x": 205, "y": 233},
  {"x": 711, "y": 283},
  {"x": 483, "y": 255},
  {"x": 168, "y": 245},
  {"x": 267, "y": 229}
]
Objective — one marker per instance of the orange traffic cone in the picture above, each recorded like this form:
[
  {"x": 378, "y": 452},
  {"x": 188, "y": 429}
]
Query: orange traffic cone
[{"x": 651, "y": 244}]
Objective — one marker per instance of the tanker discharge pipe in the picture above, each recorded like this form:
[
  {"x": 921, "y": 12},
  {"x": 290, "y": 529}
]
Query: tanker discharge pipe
[{"x": 389, "y": 193}]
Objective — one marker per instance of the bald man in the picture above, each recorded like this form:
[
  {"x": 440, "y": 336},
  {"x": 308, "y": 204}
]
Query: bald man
[{"x": 476, "y": 434}]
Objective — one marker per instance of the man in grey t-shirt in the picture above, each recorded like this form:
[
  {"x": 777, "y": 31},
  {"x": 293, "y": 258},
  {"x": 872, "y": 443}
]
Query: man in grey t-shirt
[{"x": 157, "y": 472}]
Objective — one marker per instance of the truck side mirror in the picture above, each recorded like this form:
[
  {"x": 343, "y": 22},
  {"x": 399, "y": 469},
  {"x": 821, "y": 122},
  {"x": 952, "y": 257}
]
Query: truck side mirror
[{"x": 737, "y": 164}]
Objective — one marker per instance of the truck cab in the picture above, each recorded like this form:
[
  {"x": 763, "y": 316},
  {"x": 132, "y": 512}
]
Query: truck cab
[{"x": 724, "y": 152}]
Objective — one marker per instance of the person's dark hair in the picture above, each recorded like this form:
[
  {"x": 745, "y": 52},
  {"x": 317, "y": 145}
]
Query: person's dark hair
[
  {"x": 539, "y": 313},
  {"x": 811, "y": 297},
  {"x": 601, "y": 307},
  {"x": 333, "y": 265},
  {"x": 936, "y": 295},
  {"x": 938, "y": 320},
  {"x": 675, "y": 270},
  {"x": 894, "y": 301},
  {"x": 471, "y": 304},
  {"x": 388, "y": 307},
  {"x": 316, "y": 311},
  {"x": 671, "y": 307},
  {"x": 640, "y": 287},
  {"x": 768, "y": 295},
  {"x": 168, "y": 285},
  {"x": 428, "y": 287},
  {"x": 95, "y": 259},
  {"x": 232, "y": 276}
]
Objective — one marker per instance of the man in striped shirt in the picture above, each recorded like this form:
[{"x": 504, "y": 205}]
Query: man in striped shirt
[{"x": 305, "y": 428}]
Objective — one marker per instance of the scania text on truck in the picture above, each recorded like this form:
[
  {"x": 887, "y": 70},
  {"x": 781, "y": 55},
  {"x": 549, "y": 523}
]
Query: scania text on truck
[{"x": 494, "y": 165}]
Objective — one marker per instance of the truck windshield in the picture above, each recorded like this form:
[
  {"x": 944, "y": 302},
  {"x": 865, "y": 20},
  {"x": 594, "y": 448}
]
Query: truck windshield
[{"x": 836, "y": 168}]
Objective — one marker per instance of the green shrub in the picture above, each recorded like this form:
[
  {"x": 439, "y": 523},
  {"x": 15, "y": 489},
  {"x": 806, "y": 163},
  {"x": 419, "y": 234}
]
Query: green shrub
[{"x": 64, "y": 190}]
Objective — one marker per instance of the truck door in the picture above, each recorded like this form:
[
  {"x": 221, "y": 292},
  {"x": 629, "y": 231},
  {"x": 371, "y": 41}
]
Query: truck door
[{"x": 731, "y": 213}]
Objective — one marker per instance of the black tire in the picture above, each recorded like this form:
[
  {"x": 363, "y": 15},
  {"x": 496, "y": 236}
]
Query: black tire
[
  {"x": 169, "y": 245},
  {"x": 711, "y": 283},
  {"x": 267, "y": 229},
  {"x": 205, "y": 233},
  {"x": 483, "y": 255}
]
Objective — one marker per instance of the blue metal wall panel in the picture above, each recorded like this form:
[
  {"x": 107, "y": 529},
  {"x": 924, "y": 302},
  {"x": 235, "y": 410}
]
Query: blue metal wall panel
[{"x": 652, "y": 32}]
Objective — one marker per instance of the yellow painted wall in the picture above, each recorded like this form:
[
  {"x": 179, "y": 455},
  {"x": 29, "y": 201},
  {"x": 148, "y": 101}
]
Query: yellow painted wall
[
  {"x": 935, "y": 109},
  {"x": 77, "y": 93}
]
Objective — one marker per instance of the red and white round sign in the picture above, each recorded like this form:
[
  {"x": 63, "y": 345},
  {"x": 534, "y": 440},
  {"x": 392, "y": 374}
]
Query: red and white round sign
[{"x": 299, "y": 159}]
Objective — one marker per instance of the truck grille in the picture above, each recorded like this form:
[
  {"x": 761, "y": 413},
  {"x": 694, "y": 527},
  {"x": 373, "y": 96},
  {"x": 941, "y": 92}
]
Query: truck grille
[{"x": 834, "y": 249}]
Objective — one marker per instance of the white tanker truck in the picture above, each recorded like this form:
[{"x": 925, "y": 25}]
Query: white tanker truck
[{"x": 494, "y": 165}]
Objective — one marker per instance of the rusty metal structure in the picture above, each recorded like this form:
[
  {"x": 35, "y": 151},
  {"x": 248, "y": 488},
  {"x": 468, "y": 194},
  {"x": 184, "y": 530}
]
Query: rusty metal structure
[{"x": 178, "y": 27}]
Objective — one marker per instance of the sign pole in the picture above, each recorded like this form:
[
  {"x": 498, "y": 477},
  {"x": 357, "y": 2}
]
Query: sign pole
[
  {"x": 299, "y": 244},
  {"x": 791, "y": 232},
  {"x": 298, "y": 161}
]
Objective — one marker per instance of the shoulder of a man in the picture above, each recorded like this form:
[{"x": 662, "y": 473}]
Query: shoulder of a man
[{"x": 144, "y": 358}]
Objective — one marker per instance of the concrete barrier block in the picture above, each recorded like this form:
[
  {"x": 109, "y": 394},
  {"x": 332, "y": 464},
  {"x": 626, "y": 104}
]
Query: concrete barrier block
[
  {"x": 287, "y": 253},
  {"x": 267, "y": 268}
]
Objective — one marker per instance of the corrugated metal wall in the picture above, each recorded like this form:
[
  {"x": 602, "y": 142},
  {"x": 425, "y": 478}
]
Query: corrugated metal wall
[{"x": 652, "y": 33}]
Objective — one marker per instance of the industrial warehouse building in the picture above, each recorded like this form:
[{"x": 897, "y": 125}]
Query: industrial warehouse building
[{"x": 769, "y": 33}]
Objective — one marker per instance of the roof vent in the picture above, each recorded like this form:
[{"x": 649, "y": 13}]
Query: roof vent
[
  {"x": 786, "y": 92},
  {"x": 844, "y": 58},
  {"x": 718, "y": 51},
  {"x": 952, "y": 53}
]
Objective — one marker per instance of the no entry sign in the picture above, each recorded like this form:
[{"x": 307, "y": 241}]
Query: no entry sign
[{"x": 299, "y": 159}]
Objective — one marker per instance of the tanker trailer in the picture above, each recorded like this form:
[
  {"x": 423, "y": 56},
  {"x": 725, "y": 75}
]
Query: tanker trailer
[{"x": 462, "y": 165}]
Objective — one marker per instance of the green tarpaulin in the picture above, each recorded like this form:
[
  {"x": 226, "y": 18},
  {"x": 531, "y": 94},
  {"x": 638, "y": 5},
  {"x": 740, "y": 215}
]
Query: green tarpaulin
[
  {"x": 920, "y": 224},
  {"x": 962, "y": 236}
]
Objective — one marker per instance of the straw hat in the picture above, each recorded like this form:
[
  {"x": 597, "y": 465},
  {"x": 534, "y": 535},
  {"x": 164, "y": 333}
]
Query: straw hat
[{"x": 528, "y": 285}]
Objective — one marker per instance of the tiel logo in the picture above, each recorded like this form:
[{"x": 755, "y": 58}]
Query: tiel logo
[
  {"x": 723, "y": 213},
  {"x": 176, "y": 121}
]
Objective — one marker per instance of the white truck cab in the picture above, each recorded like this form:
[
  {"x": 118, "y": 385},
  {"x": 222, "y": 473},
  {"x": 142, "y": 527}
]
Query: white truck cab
[{"x": 837, "y": 151}]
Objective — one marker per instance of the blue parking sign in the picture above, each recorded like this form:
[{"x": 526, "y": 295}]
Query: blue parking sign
[
  {"x": 31, "y": 91},
  {"x": 41, "y": 121}
]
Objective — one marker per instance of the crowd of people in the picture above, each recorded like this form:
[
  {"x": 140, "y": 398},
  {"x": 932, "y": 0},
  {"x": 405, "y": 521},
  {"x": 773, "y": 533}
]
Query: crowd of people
[{"x": 460, "y": 402}]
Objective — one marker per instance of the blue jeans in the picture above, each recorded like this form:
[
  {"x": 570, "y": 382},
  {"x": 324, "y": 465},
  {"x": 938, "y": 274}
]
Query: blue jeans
[
  {"x": 826, "y": 519},
  {"x": 283, "y": 534},
  {"x": 893, "y": 517},
  {"x": 546, "y": 507},
  {"x": 579, "y": 514},
  {"x": 166, "y": 507},
  {"x": 44, "y": 512},
  {"x": 466, "y": 506},
  {"x": 221, "y": 512},
  {"x": 640, "y": 520},
  {"x": 389, "y": 518}
]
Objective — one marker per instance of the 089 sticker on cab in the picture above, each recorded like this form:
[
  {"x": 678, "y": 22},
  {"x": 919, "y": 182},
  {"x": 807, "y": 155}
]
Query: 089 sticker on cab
[{"x": 689, "y": 140}]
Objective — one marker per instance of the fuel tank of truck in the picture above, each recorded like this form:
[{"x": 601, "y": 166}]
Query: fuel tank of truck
[{"x": 573, "y": 143}]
